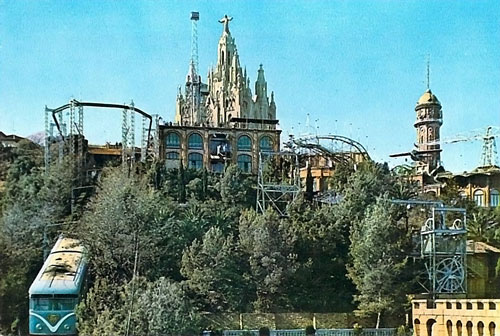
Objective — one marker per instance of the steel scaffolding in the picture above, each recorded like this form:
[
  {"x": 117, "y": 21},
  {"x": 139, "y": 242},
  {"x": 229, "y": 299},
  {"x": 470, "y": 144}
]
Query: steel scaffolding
[
  {"x": 277, "y": 192},
  {"x": 443, "y": 246}
]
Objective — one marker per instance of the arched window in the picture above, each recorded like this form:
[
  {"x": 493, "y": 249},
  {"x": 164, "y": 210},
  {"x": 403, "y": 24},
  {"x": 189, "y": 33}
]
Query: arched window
[
  {"x": 172, "y": 140},
  {"x": 195, "y": 141},
  {"x": 448, "y": 305},
  {"x": 491, "y": 329},
  {"x": 494, "y": 198},
  {"x": 245, "y": 163},
  {"x": 469, "y": 305},
  {"x": 480, "y": 306},
  {"x": 244, "y": 143},
  {"x": 416, "y": 326},
  {"x": 459, "y": 305},
  {"x": 492, "y": 306},
  {"x": 459, "y": 328},
  {"x": 479, "y": 197},
  {"x": 195, "y": 160},
  {"x": 266, "y": 144},
  {"x": 480, "y": 328},
  {"x": 430, "y": 134},
  {"x": 468, "y": 326},
  {"x": 449, "y": 328}
]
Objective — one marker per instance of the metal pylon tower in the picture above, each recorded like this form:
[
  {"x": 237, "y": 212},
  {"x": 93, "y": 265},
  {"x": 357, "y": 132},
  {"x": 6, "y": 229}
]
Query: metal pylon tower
[
  {"x": 125, "y": 131},
  {"x": 47, "y": 139},
  {"x": 144, "y": 139},
  {"x": 277, "y": 192},
  {"x": 443, "y": 244},
  {"x": 489, "y": 152},
  {"x": 195, "y": 17},
  {"x": 132, "y": 132}
]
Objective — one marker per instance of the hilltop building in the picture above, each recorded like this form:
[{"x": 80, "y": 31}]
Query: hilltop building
[
  {"x": 482, "y": 185},
  {"x": 221, "y": 121}
]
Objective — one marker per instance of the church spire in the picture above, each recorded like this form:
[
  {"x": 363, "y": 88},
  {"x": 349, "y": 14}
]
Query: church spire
[{"x": 260, "y": 84}]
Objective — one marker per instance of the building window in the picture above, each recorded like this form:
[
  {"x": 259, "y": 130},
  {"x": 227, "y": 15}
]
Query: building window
[
  {"x": 479, "y": 197},
  {"x": 172, "y": 160},
  {"x": 448, "y": 305},
  {"x": 492, "y": 306},
  {"x": 172, "y": 156},
  {"x": 480, "y": 306},
  {"x": 494, "y": 198},
  {"x": 195, "y": 161},
  {"x": 244, "y": 143},
  {"x": 195, "y": 141},
  {"x": 469, "y": 305},
  {"x": 416, "y": 305},
  {"x": 491, "y": 329},
  {"x": 245, "y": 163},
  {"x": 459, "y": 305},
  {"x": 172, "y": 140},
  {"x": 266, "y": 144}
]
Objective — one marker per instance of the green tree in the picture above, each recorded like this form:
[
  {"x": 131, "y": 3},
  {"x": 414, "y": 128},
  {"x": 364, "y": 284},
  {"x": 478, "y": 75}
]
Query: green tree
[
  {"x": 139, "y": 307},
  {"x": 214, "y": 270},
  {"x": 268, "y": 243},
  {"x": 128, "y": 226},
  {"x": 378, "y": 250}
]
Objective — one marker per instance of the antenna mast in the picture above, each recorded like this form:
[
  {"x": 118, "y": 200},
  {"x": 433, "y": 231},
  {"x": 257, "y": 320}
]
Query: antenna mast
[
  {"x": 428, "y": 71},
  {"x": 195, "y": 78},
  {"x": 195, "y": 17}
]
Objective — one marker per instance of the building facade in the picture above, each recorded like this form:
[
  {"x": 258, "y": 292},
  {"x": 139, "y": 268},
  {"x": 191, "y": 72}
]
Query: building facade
[
  {"x": 456, "y": 317},
  {"x": 221, "y": 122}
]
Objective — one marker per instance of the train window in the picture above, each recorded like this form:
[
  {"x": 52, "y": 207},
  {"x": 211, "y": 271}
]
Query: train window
[{"x": 53, "y": 304}]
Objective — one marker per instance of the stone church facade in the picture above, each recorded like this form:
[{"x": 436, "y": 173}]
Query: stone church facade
[{"x": 222, "y": 121}]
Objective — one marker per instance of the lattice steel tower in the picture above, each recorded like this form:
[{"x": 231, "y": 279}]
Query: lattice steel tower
[{"x": 489, "y": 153}]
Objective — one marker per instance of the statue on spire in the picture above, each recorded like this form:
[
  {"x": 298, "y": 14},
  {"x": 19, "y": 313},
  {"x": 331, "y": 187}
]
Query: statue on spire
[{"x": 225, "y": 21}]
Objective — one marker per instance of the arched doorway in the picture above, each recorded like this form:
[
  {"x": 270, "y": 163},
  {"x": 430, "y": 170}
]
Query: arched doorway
[
  {"x": 480, "y": 328},
  {"x": 491, "y": 328},
  {"x": 449, "y": 328},
  {"x": 469, "y": 328},
  {"x": 416, "y": 327},
  {"x": 430, "y": 326},
  {"x": 459, "y": 328}
]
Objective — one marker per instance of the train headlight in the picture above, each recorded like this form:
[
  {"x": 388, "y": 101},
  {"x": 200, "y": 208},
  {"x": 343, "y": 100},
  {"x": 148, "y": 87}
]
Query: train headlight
[
  {"x": 38, "y": 326},
  {"x": 67, "y": 327}
]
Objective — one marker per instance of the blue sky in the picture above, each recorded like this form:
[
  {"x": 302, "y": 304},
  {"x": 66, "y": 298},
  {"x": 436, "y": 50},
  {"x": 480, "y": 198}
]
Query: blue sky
[{"x": 357, "y": 66}]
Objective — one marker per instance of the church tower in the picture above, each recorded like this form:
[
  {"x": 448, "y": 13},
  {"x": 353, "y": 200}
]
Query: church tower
[
  {"x": 227, "y": 97},
  {"x": 428, "y": 124}
]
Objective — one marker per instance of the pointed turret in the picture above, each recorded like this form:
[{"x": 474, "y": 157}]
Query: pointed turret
[{"x": 260, "y": 84}]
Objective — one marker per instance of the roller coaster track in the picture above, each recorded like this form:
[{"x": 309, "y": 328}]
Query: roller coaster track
[
  {"x": 313, "y": 143},
  {"x": 99, "y": 105}
]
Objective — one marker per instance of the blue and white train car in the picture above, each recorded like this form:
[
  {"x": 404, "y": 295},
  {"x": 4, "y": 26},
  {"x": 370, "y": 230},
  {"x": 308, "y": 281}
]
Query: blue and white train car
[{"x": 56, "y": 290}]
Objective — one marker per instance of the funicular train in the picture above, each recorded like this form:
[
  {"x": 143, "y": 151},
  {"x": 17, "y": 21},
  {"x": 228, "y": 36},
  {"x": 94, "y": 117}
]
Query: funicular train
[{"x": 57, "y": 289}]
